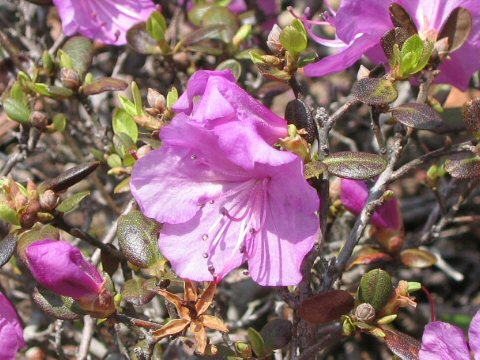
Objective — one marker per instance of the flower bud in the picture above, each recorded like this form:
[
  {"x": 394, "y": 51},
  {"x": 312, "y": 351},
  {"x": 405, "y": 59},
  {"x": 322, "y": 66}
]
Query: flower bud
[
  {"x": 156, "y": 100},
  {"x": 365, "y": 312},
  {"x": 61, "y": 267},
  {"x": 48, "y": 200},
  {"x": 11, "y": 331},
  {"x": 273, "y": 41},
  {"x": 39, "y": 120},
  {"x": 69, "y": 78}
]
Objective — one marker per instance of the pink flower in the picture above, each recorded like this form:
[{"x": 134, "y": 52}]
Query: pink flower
[
  {"x": 103, "y": 20},
  {"x": 61, "y": 267},
  {"x": 11, "y": 331},
  {"x": 361, "y": 24},
  {"x": 354, "y": 194},
  {"x": 444, "y": 341},
  {"x": 223, "y": 192}
]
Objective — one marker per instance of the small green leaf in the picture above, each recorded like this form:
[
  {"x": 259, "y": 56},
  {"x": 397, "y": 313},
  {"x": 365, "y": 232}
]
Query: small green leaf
[
  {"x": 123, "y": 186},
  {"x": 256, "y": 340},
  {"x": 59, "y": 122},
  {"x": 114, "y": 161},
  {"x": 294, "y": 37},
  {"x": 59, "y": 307},
  {"x": 156, "y": 26},
  {"x": 418, "y": 116},
  {"x": 375, "y": 288},
  {"x": 233, "y": 65},
  {"x": 374, "y": 91},
  {"x": 123, "y": 123},
  {"x": 140, "y": 40},
  {"x": 128, "y": 105},
  {"x": 137, "y": 99},
  {"x": 17, "y": 110},
  {"x": 80, "y": 51},
  {"x": 355, "y": 165},
  {"x": 72, "y": 202},
  {"x": 9, "y": 215},
  {"x": 172, "y": 97}
]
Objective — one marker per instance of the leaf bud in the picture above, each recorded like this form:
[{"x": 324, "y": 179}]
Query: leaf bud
[
  {"x": 365, "y": 312},
  {"x": 48, "y": 200},
  {"x": 156, "y": 100},
  {"x": 70, "y": 78},
  {"x": 39, "y": 119}
]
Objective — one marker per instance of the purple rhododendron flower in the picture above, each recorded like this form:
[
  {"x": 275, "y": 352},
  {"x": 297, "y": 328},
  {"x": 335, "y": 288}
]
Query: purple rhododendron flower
[
  {"x": 11, "y": 331},
  {"x": 103, "y": 20},
  {"x": 361, "y": 24},
  {"x": 62, "y": 268},
  {"x": 443, "y": 341},
  {"x": 223, "y": 192},
  {"x": 354, "y": 194}
]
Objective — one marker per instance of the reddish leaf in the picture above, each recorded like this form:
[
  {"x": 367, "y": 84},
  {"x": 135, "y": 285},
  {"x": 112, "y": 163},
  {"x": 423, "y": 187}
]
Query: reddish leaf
[
  {"x": 373, "y": 91},
  {"x": 369, "y": 256},
  {"x": 402, "y": 345},
  {"x": 417, "y": 116},
  {"x": 418, "y": 258},
  {"x": 327, "y": 306}
]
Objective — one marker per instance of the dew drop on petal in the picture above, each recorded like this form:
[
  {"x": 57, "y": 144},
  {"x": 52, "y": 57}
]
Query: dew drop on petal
[
  {"x": 252, "y": 231},
  {"x": 204, "y": 237},
  {"x": 193, "y": 157},
  {"x": 211, "y": 269},
  {"x": 205, "y": 255},
  {"x": 212, "y": 202},
  {"x": 224, "y": 211}
]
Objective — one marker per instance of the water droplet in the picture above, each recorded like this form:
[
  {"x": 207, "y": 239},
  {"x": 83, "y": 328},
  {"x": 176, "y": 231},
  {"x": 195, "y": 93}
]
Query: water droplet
[
  {"x": 211, "y": 269},
  {"x": 193, "y": 157},
  {"x": 224, "y": 211},
  {"x": 242, "y": 249},
  {"x": 245, "y": 272},
  {"x": 205, "y": 255},
  {"x": 212, "y": 202},
  {"x": 204, "y": 237},
  {"x": 252, "y": 231}
]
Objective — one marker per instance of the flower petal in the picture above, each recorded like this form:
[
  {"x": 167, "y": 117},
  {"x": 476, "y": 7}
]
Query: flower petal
[
  {"x": 11, "y": 331},
  {"x": 345, "y": 58},
  {"x": 105, "y": 20},
  {"x": 290, "y": 231},
  {"x": 354, "y": 194},
  {"x": 443, "y": 341},
  {"x": 474, "y": 336}
]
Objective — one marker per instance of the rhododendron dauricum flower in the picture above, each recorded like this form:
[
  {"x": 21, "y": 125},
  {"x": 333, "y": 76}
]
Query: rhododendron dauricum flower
[
  {"x": 103, "y": 20},
  {"x": 354, "y": 194},
  {"x": 223, "y": 192},
  {"x": 11, "y": 331},
  {"x": 62, "y": 268},
  {"x": 360, "y": 25},
  {"x": 443, "y": 341}
]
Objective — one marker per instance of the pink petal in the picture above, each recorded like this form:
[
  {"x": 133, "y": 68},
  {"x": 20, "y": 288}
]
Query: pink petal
[
  {"x": 442, "y": 341},
  {"x": 103, "y": 20},
  {"x": 11, "y": 330},
  {"x": 370, "y": 17},
  {"x": 345, "y": 58},
  {"x": 474, "y": 336},
  {"x": 354, "y": 194},
  {"x": 290, "y": 231},
  {"x": 61, "y": 267}
]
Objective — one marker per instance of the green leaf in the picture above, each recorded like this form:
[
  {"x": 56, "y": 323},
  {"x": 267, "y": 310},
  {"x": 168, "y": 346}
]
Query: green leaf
[
  {"x": 138, "y": 239},
  {"x": 17, "y": 110},
  {"x": 72, "y": 202},
  {"x": 257, "y": 342},
  {"x": 219, "y": 15},
  {"x": 59, "y": 122},
  {"x": 140, "y": 40},
  {"x": 294, "y": 37},
  {"x": 128, "y": 105},
  {"x": 355, "y": 165},
  {"x": 59, "y": 307},
  {"x": 375, "y": 288},
  {"x": 80, "y": 51},
  {"x": 233, "y": 65},
  {"x": 55, "y": 92},
  {"x": 9, "y": 215},
  {"x": 137, "y": 99},
  {"x": 123, "y": 186},
  {"x": 463, "y": 166},
  {"x": 123, "y": 123},
  {"x": 374, "y": 91},
  {"x": 114, "y": 161},
  {"x": 172, "y": 97},
  {"x": 156, "y": 26}
]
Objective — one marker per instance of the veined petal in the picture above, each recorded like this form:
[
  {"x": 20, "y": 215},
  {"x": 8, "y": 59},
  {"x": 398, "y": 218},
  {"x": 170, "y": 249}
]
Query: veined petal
[
  {"x": 474, "y": 336},
  {"x": 345, "y": 58},
  {"x": 103, "y": 20},
  {"x": 443, "y": 341},
  {"x": 289, "y": 231},
  {"x": 170, "y": 185}
]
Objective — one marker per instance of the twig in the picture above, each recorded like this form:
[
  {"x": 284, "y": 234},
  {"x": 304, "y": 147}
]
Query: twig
[{"x": 87, "y": 334}]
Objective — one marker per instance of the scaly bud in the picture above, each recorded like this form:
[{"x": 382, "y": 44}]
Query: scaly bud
[{"x": 70, "y": 78}]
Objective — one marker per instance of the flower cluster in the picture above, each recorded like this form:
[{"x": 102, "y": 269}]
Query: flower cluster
[
  {"x": 360, "y": 26},
  {"x": 225, "y": 194}
]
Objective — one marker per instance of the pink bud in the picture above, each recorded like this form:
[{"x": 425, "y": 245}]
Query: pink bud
[{"x": 61, "y": 267}]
